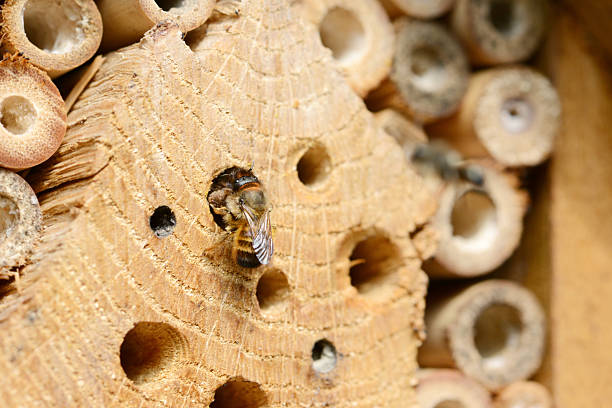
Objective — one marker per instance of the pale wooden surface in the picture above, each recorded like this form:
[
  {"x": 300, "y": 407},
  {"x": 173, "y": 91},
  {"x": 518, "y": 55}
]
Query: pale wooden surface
[{"x": 155, "y": 125}]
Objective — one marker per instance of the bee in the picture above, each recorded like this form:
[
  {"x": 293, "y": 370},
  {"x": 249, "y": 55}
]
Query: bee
[
  {"x": 447, "y": 163},
  {"x": 239, "y": 206}
]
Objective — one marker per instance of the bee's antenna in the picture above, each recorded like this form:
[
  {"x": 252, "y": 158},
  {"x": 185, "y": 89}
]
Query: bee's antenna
[{"x": 252, "y": 165}]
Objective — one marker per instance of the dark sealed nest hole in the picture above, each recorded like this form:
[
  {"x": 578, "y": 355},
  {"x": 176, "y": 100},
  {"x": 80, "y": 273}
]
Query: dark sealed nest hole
[
  {"x": 162, "y": 221},
  {"x": 239, "y": 393},
  {"x": 324, "y": 356}
]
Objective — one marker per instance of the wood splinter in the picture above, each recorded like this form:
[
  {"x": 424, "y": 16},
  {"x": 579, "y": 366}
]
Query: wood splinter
[
  {"x": 32, "y": 115},
  {"x": 449, "y": 388},
  {"x": 499, "y": 31},
  {"x": 527, "y": 394},
  {"x": 125, "y": 21},
  {"x": 20, "y": 222},
  {"x": 56, "y": 36},
  {"x": 493, "y": 331},
  {"x": 479, "y": 226},
  {"x": 360, "y": 37},
  {"x": 429, "y": 74},
  {"x": 511, "y": 114}
]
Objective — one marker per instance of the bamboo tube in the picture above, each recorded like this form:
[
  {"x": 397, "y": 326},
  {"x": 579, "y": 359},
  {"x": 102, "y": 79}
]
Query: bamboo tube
[
  {"x": 56, "y": 36},
  {"x": 125, "y": 21},
  {"x": 20, "y": 221},
  {"x": 499, "y": 31},
  {"x": 360, "y": 37},
  {"x": 479, "y": 226},
  {"x": 424, "y": 9},
  {"x": 32, "y": 115},
  {"x": 511, "y": 114},
  {"x": 493, "y": 331},
  {"x": 439, "y": 388},
  {"x": 429, "y": 74},
  {"x": 524, "y": 394}
]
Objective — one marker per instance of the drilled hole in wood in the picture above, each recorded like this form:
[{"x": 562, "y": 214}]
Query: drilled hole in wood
[
  {"x": 502, "y": 16},
  {"x": 374, "y": 261},
  {"x": 474, "y": 219},
  {"x": 239, "y": 393},
  {"x": 324, "y": 356},
  {"x": 428, "y": 68},
  {"x": 162, "y": 221},
  {"x": 272, "y": 292},
  {"x": 9, "y": 217},
  {"x": 314, "y": 166},
  {"x": 56, "y": 27},
  {"x": 17, "y": 114},
  {"x": 450, "y": 404},
  {"x": 150, "y": 350},
  {"x": 497, "y": 331},
  {"x": 166, "y": 5},
  {"x": 342, "y": 32}
]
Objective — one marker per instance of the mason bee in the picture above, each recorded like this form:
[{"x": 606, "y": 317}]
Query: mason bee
[
  {"x": 238, "y": 205},
  {"x": 447, "y": 163}
]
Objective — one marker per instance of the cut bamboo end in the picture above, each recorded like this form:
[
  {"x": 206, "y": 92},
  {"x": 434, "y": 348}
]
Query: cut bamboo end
[
  {"x": 479, "y": 226},
  {"x": 499, "y": 31},
  {"x": 493, "y": 331},
  {"x": 511, "y": 114},
  {"x": 360, "y": 37},
  {"x": 524, "y": 394},
  {"x": 32, "y": 115},
  {"x": 56, "y": 36},
  {"x": 429, "y": 74},
  {"x": 446, "y": 388},
  {"x": 20, "y": 221},
  {"x": 425, "y": 9},
  {"x": 125, "y": 21}
]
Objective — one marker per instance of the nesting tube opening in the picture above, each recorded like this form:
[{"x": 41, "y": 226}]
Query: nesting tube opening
[
  {"x": 474, "y": 219},
  {"x": 9, "y": 216},
  {"x": 167, "y": 5},
  {"x": 516, "y": 115},
  {"x": 497, "y": 332},
  {"x": 17, "y": 114},
  {"x": 448, "y": 388},
  {"x": 343, "y": 33}
]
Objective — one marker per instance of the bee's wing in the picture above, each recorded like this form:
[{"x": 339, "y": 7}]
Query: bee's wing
[{"x": 261, "y": 233}]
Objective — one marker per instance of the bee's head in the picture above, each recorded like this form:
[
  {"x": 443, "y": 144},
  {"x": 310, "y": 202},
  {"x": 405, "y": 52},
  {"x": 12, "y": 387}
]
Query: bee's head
[{"x": 254, "y": 198}]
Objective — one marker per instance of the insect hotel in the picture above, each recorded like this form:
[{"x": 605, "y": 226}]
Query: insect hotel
[{"x": 306, "y": 203}]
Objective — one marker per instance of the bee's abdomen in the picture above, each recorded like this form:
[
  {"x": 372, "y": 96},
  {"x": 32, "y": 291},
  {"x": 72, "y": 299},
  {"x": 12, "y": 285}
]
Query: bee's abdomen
[{"x": 243, "y": 249}]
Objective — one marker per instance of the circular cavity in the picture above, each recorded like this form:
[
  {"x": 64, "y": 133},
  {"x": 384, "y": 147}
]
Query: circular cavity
[
  {"x": 314, "y": 166},
  {"x": 374, "y": 265},
  {"x": 342, "y": 32},
  {"x": 149, "y": 350},
  {"x": 474, "y": 219},
  {"x": 55, "y": 27},
  {"x": 451, "y": 403},
  {"x": 162, "y": 221},
  {"x": 17, "y": 114},
  {"x": 239, "y": 393},
  {"x": 324, "y": 356},
  {"x": 496, "y": 334},
  {"x": 428, "y": 68},
  {"x": 9, "y": 216},
  {"x": 502, "y": 16},
  {"x": 516, "y": 115},
  {"x": 166, "y": 5},
  {"x": 272, "y": 292}
]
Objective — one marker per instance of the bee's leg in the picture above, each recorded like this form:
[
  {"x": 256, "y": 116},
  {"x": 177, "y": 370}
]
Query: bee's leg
[
  {"x": 214, "y": 246},
  {"x": 356, "y": 262}
]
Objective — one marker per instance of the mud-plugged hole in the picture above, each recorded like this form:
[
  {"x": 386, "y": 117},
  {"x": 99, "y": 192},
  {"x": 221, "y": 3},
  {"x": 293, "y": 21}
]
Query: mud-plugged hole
[
  {"x": 342, "y": 32},
  {"x": 428, "y": 69},
  {"x": 324, "y": 356},
  {"x": 450, "y": 404},
  {"x": 314, "y": 166},
  {"x": 516, "y": 115},
  {"x": 497, "y": 332},
  {"x": 502, "y": 16},
  {"x": 272, "y": 292},
  {"x": 17, "y": 114},
  {"x": 239, "y": 393},
  {"x": 149, "y": 350},
  {"x": 9, "y": 217},
  {"x": 474, "y": 219},
  {"x": 55, "y": 27},
  {"x": 162, "y": 221},
  {"x": 374, "y": 264},
  {"x": 166, "y": 5}
]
